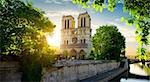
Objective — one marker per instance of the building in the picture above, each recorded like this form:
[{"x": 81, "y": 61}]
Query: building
[{"x": 76, "y": 42}]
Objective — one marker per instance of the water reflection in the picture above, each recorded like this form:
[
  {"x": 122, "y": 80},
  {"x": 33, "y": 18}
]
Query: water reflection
[
  {"x": 133, "y": 80},
  {"x": 136, "y": 73},
  {"x": 138, "y": 69}
]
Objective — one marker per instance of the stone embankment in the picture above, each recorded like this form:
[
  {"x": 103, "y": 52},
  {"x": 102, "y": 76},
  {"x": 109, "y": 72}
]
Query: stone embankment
[
  {"x": 76, "y": 71},
  {"x": 9, "y": 72},
  {"x": 68, "y": 71}
]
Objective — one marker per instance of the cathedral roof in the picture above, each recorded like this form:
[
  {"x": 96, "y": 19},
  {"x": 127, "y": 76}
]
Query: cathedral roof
[
  {"x": 68, "y": 16},
  {"x": 84, "y": 13}
]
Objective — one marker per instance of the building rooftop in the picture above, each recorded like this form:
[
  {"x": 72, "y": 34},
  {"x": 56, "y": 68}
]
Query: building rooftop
[
  {"x": 68, "y": 16},
  {"x": 84, "y": 13}
]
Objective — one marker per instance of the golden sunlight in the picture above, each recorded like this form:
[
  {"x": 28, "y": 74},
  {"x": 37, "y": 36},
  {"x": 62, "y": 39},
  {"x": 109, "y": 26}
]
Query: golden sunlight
[{"x": 53, "y": 40}]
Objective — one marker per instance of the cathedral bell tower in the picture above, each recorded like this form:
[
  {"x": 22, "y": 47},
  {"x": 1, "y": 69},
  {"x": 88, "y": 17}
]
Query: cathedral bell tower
[
  {"x": 84, "y": 20},
  {"x": 68, "y": 24},
  {"x": 84, "y": 31}
]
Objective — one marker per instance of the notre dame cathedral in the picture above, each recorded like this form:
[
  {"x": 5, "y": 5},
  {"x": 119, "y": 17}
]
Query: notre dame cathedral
[{"x": 76, "y": 42}]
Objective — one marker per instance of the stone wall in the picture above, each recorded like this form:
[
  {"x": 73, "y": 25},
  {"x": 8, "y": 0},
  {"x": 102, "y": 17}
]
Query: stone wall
[
  {"x": 75, "y": 71},
  {"x": 9, "y": 72}
]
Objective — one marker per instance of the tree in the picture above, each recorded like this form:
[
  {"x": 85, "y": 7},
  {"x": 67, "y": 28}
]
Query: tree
[
  {"x": 21, "y": 24},
  {"x": 92, "y": 55},
  {"x": 138, "y": 10},
  {"x": 22, "y": 33},
  {"x": 108, "y": 43},
  {"x": 145, "y": 57},
  {"x": 65, "y": 54}
]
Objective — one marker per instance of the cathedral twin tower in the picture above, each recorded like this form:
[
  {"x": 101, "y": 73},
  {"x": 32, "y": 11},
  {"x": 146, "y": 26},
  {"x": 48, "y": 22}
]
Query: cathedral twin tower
[{"x": 76, "y": 42}]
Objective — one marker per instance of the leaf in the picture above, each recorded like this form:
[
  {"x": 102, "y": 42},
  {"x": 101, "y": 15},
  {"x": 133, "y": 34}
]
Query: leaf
[
  {"x": 96, "y": 8},
  {"x": 101, "y": 9},
  {"x": 136, "y": 32},
  {"x": 138, "y": 27},
  {"x": 138, "y": 38},
  {"x": 122, "y": 19},
  {"x": 74, "y": 2}
]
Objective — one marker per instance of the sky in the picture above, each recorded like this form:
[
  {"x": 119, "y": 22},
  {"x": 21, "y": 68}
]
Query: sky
[{"x": 55, "y": 9}]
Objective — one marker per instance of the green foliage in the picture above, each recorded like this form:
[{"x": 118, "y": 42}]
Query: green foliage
[
  {"x": 33, "y": 63},
  {"x": 139, "y": 11},
  {"x": 92, "y": 55},
  {"x": 31, "y": 68},
  {"x": 141, "y": 51},
  {"x": 108, "y": 43},
  {"x": 20, "y": 23},
  {"x": 22, "y": 33},
  {"x": 98, "y": 5},
  {"x": 147, "y": 70},
  {"x": 66, "y": 54}
]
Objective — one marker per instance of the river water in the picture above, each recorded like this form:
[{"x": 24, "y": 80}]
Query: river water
[{"x": 136, "y": 73}]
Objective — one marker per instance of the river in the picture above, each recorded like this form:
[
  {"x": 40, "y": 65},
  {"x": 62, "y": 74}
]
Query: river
[{"x": 136, "y": 73}]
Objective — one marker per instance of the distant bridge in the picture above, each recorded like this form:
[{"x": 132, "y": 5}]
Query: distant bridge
[{"x": 131, "y": 61}]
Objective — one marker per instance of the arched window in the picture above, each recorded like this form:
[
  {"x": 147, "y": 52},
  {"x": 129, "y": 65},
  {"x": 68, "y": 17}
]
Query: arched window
[
  {"x": 65, "y": 24},
  {"x": 82, "y": 54},
  {"x": 84, "y": 40},
  {"x": 68, "y": 23},
  {"x": 81, "y": 22},
  {"x": 84, "y": 22},
  {"x": 81, "y": 41},
  {"x": 67, "y": 41}
]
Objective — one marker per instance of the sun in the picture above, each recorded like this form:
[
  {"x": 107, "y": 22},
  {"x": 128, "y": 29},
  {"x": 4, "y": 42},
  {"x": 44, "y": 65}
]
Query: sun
[{"x": 53, "y": 40}]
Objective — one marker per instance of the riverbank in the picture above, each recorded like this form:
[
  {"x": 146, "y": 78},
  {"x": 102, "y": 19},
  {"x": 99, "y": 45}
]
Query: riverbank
[
  {"x": 134, "y": 74},
  {"x": 76, "y": 70},
  {"x": 68, "y": 71},
  {"x": 105, "y": 77}
]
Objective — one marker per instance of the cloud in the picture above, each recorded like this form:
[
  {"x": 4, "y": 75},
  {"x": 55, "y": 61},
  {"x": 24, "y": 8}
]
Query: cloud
[
  {"x": 94, "y": 27},
  {"x": 53, "y": 1},
  {"x": 52, "y": 14},
  {"x": 66, "y": 0},
  {"x": 117, "y": 19},
  {"x": 130, "y": 51},
  {"x": 129, "y": 34},
  {"x": 61, "y": 13},
  {"x": 56, "y": 1}
]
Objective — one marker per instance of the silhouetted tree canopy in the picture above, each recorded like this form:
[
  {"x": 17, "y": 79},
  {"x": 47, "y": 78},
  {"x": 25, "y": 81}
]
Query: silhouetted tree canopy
[
  {"x": 22, "y": 33},
  {"x": 21, "y": 27}
]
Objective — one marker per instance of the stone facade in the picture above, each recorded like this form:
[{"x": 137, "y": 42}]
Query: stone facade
[{"x": 76, "y": 41}]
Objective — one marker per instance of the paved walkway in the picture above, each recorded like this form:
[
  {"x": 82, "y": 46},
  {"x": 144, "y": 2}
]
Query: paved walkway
[{"x": 104, "y": 77}]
